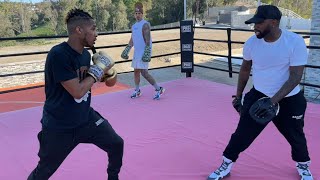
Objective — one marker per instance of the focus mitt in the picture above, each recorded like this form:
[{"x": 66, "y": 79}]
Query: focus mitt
[{"x": 263, "y": 111}]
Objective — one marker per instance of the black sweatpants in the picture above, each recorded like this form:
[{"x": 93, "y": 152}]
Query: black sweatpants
[
  {"x": 56, "y": 145},
  {"x": 289, "y": 122}
]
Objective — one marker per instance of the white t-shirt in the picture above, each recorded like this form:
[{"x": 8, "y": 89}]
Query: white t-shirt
[
  {"x": 139, "y": 45},
  {"x": 271, "y": 61}
]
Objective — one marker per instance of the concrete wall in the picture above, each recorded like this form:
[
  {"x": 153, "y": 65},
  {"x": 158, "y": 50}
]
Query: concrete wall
[
  {"x": 175, "y": 24},
  {"x": 224, "y": 19},
  {"x": 21, "y": 80},
  {"x": 295, "y": 24},
  {"x": 238, "y": 19},
  {"x": 214, "y": 11},
  {"x": 313, "y": 75}
]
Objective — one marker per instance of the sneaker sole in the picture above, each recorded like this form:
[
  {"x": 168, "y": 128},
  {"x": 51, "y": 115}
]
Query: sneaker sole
[
  {"x": 136, "y": 96},
  {"x": 219, "y": 177},
  {"x": 163, "y": 90}
]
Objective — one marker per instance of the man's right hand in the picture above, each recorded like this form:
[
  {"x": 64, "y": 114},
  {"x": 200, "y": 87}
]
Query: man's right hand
[
  {"x": 146, "y": 57},
  {"x": 102, "y": 63},
  {"x": 236, "y": 102},
  {"x": 125, "y": 52}
]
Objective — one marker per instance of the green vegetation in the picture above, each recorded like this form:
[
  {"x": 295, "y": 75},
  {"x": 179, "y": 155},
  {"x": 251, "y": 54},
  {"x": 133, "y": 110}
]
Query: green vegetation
[
  {"x": 47, "y": 18},
  {"x": 43, "y": 30},
  {"x": 301, "y": 7}
]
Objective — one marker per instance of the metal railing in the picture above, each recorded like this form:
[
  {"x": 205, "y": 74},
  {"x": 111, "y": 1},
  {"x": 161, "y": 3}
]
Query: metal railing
[
  {"x": 230, "y": 57},
  {"x": 97, "y": 47},
  {"x": 228, "y": 41}
]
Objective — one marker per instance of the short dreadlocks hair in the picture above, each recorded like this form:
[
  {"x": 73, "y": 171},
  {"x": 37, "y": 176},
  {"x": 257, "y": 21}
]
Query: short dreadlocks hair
[{"x": 76, "y": 17}]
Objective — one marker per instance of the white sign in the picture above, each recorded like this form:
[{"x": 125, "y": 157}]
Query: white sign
[
  {"x": 187, "y": 65},
  {"x": 186, "y": 47},
  {"x": 186, "y": 29}
]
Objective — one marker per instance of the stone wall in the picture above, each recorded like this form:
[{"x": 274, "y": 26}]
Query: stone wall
[
  {"x": 313, "y": 75},
  {"x": 21, "y": 80}
]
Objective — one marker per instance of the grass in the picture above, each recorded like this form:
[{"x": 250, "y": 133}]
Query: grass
[{"x": 39, "y": 31}]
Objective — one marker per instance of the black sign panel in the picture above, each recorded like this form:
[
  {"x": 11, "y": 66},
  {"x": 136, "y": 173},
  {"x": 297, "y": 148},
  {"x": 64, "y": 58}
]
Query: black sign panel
[{"x": 186, "y": 45}]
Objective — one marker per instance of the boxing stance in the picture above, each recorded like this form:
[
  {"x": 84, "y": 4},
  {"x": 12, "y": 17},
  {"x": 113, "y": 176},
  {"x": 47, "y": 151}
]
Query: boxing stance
[
  {"x": 67, "y": 118},
  {"x": 277, "y": 58}
]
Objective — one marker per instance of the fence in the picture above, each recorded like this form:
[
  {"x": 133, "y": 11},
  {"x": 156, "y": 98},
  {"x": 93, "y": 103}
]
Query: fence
[{"x": 229, "y": 42}]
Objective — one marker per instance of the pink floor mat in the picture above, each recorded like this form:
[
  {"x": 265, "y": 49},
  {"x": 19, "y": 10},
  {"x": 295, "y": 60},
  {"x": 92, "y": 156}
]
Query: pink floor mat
[{"x": 179, "y": 137}]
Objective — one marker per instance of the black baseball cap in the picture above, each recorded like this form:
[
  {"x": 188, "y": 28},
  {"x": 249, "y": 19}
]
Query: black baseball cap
[{"x": 265, "y": 12}]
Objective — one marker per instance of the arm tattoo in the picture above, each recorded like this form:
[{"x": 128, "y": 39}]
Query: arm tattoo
[
  {"x": 146, "y": 33},
  {"x": 294, "y": 79}
]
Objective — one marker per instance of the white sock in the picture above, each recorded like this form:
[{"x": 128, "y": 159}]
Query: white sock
[
  {"x": 137, "y": 88},
  {"x": 156, "y": 86}
]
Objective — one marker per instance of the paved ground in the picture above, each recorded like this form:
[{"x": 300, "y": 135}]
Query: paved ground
[{"x": 173, "y": 73}]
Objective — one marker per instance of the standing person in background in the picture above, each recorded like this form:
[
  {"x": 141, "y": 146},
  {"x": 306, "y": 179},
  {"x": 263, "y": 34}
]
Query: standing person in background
[
  {"x": 68, "y": 119},
  {"x": 142, "y": 43},
  {"x": 277, "y": 58}
]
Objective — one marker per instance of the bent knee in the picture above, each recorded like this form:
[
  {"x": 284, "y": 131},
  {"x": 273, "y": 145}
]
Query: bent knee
[{"x": 118, "y": 142}]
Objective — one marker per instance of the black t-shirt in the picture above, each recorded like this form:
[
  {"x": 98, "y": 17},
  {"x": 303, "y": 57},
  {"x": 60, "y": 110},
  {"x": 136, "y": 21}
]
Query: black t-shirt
[{"x": 61, "y": 111}]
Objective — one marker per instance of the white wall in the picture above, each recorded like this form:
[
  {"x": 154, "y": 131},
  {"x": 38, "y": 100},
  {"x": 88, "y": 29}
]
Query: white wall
[
  {"x": 237, "y": 21},
  {"x": 295, "y": 24}
]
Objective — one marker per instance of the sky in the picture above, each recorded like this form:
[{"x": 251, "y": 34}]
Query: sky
[{"x": 33, "y": 1}]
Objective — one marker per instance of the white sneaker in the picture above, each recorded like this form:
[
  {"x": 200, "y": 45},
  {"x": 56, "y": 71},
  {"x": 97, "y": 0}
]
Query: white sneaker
[
  {"x": 304, "y": 171},
  {"x": 222, "y": 171},
  {"x": 158, "y": 93},
  {"x": 136, "y": 94}
]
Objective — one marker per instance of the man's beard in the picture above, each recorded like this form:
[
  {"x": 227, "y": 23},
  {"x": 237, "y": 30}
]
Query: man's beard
[
  {"x": 262, "y": 34},
  {"x": 85, "y": 41}
]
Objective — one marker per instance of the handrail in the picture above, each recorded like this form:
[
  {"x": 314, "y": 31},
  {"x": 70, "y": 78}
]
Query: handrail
[{"x": 228, "y": 41}]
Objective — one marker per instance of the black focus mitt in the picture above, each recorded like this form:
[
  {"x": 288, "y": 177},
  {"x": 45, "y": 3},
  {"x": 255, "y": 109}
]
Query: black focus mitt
[{"x": 263, "y": 110}]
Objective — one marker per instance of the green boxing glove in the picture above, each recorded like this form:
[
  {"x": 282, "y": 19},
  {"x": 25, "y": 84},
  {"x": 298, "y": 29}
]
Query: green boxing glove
[
  {"x": 147, "y": 54},
  {"x": 125, "y": 52}
]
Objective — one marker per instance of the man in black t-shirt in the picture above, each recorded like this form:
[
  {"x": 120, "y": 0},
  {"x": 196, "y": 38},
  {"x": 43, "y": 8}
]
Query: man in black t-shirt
[{"x": 68, "y": 119}]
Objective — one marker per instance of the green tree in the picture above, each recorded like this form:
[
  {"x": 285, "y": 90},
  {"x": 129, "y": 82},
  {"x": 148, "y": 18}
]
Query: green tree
[
  {"x": 86, "y": 5},
  {"x": 6, "y": 27},
  {"x": 163, "y": 12},
  {"x": 119, "y": 16},
  {"x": 61, "y": 8},
  {"x": 215, "y": 3},
  {"x": 199, "y": 9},
  {"x": 46, "y": 15},
  {"x": 301, "y": 7},
  {"x": 228, "y": 2},
  {"x": 101, "y": 13}
]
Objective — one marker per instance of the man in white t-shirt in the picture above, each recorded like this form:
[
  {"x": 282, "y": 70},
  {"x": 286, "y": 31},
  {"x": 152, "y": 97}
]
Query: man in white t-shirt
[
  {"x": 142, "y": 43},
  {"x": 277, "y": 58}
]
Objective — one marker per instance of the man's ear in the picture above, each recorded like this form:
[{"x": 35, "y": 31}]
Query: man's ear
[
  {"x": 275, "y": 22},
  {"x": 78, "y": 30}
]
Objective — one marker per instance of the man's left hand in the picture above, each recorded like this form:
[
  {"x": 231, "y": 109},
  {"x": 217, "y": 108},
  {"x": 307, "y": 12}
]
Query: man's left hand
[{"x": 263, "y": 110}]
